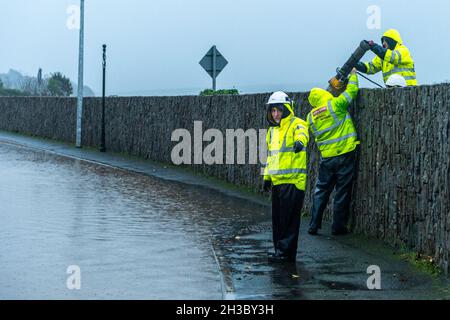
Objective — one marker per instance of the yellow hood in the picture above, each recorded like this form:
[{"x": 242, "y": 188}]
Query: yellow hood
[
  {"x": 289, "y": 108},
  {"x": 393, "y": 34},
  {"x": 319, "y": 97}
]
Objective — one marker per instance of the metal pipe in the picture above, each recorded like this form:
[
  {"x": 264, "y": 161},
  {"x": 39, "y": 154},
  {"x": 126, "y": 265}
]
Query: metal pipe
[{"x": 369, "y": 79}]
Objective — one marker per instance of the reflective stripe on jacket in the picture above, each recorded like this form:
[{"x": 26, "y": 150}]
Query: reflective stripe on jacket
[
  {"x": 397, "y": 61},
  {"x": 330, "y": 122},
  {"x": 284, "y": 166}
]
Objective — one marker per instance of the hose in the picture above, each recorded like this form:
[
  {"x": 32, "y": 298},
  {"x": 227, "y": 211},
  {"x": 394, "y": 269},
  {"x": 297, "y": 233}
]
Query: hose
[{"x": 359, "y": 73}]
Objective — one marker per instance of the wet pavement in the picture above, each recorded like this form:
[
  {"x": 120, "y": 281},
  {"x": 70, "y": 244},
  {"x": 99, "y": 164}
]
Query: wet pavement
[
  {"x": 328, "y": 267},
  {"x": 139, "y": 230}
]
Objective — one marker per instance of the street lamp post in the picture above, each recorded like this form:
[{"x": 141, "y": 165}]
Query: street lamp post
[
  {"x": 80, "y": 77},
  {"x": 102, "y": 138}
]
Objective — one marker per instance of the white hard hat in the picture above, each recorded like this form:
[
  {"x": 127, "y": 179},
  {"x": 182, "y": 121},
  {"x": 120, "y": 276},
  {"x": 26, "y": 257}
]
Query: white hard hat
[
  {"x": 396, "y": 80},
  {"x": 279, "y": 97}
]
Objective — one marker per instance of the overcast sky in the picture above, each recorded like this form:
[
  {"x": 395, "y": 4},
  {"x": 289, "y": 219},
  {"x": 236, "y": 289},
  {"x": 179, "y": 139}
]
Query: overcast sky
[{"x": 155, "y": 46}]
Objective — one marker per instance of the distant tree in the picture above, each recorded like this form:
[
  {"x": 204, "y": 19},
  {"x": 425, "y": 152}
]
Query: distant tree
[
  {"x": 210, "y": 92},
  {"x": 59, "y": 85},
  {"x": 10, "y": 92},
  {"x": 31, "y": 87},
  {"x": 28, "y": 85}
]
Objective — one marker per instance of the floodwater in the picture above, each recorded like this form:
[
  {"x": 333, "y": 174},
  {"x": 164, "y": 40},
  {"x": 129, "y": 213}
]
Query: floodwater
[{"x": 132, "y": 236}]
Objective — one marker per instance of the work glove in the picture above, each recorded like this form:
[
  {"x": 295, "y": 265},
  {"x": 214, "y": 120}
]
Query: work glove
[
  {"x": 361, "y": 67},
  {"x": 298, "y": 146},
  {"x": 378, "y": 50},
  {"x": 267, "y": 186},
  {"x": 370, "y": 43}
]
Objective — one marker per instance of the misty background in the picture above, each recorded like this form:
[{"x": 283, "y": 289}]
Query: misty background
[{"x": 154, "y": 47}]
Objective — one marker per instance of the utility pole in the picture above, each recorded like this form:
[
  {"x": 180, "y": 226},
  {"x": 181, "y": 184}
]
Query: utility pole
[
  {"x": 102, "y": 138},
  {"x": 80, "y": 77}
]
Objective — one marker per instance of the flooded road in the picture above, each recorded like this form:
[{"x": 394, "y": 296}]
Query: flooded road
[
  {"x": 135, "y": 236},
  {"x": 131, "y": 235}
]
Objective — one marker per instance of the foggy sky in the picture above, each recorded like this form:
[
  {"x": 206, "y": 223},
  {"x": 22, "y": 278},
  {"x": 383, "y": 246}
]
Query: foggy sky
[{"x": 154, "y": 46}]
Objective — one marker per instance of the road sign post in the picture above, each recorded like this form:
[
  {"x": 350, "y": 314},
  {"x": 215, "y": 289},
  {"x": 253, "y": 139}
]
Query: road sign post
[{"x": 213, "y": 62}]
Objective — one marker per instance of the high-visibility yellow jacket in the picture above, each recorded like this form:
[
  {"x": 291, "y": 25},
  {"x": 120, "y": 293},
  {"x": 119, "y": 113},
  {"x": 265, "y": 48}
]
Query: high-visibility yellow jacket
[
  {"x": 284, "y": 166},
  {"x": 330, "y": 122},
  {"x": 397, "y": 61}
]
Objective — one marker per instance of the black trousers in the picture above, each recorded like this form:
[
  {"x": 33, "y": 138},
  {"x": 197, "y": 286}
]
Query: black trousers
[
  {"x": 334, "y": 172},
  {"x": 287, "y": 202}
]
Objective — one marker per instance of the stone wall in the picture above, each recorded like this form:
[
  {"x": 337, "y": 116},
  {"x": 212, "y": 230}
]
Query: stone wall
[{"x": 402, "y": 192}]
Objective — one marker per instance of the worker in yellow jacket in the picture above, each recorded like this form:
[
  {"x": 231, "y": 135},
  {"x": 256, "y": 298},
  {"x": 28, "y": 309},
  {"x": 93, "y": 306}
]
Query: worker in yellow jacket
[
  {"x": 393, "y": 57},
  {"x": 285, "y": 174},
  {"x": 336, "y": 138}
]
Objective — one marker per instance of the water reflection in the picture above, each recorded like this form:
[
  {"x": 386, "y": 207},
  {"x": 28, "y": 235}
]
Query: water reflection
[{"x": 133, "y": 236}]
